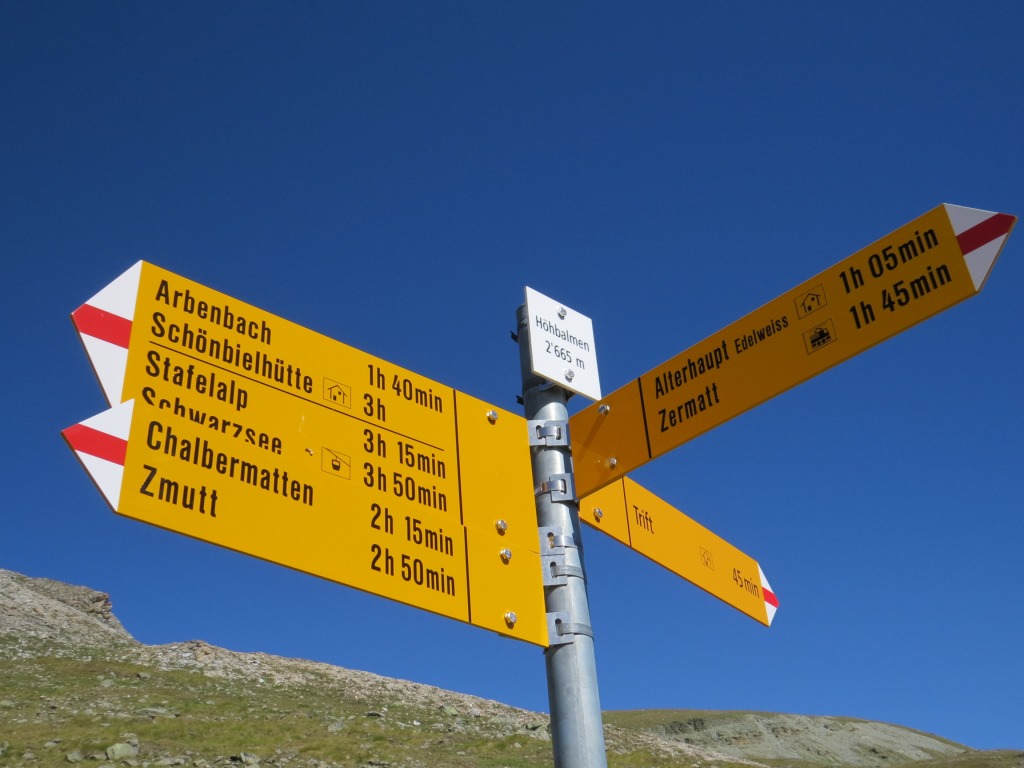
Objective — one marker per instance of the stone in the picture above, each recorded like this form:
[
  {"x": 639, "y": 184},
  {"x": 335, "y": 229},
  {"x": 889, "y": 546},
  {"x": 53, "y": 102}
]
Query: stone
[
  {"x": 121, "y": 751},
  {"x": 75, "y": 756},
  {"x": 156, "y": 712},
  {"x": 503, "y": 721}
]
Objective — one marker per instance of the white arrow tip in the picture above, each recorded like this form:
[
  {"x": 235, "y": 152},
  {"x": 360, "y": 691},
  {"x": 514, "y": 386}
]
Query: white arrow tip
[
  {"x": 104, "y": 324},
  {"x": 101, "y": 443},
  {"x": 981, "y": 236},
  {"x": 771, "y": 601}
]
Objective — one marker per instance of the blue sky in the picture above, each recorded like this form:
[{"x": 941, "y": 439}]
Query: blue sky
[{"x": 393, "y": 175}]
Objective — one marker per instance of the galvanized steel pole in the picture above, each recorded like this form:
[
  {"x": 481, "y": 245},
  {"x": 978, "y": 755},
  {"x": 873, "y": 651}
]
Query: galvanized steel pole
[{"x": 576, "y": 728}]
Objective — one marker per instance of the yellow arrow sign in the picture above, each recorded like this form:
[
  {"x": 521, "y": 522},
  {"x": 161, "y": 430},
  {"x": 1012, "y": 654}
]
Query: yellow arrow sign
[
  {"x": 926, "y": 266},
  {"x": 636, "y": 517},
  {"x": 253, "y": 433}
]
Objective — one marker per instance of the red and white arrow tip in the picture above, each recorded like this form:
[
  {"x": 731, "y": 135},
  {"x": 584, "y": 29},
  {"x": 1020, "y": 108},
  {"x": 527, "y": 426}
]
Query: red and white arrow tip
[
  {"x": 771, "y": 602},
  {"x": 104, "y": 323},
  {"x": 981, "y": 236},
  {"x": 101, "y": 444}
]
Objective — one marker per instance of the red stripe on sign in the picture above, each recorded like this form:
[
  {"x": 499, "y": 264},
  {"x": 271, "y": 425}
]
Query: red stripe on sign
[
  {"x": 95, "y": 443},
  {"x": 985, "y": 232},
  {"x": 102, "y": 325},
  {"x": 769, "y": 597}
]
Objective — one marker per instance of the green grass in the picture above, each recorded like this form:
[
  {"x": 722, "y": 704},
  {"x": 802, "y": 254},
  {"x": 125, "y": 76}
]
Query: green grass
[{"x": 89, "y": 702}]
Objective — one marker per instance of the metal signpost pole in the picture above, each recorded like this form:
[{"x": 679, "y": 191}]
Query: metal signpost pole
[{"x": 576, "y": 726}]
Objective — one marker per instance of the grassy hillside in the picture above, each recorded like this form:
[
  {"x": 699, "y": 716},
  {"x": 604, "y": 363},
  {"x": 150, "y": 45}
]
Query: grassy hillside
[{"x": 76, "y": 688}]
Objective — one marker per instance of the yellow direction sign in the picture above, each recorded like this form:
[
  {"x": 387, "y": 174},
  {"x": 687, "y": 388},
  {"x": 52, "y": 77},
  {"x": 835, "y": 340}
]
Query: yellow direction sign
[
  {"x": 926, "y": 266},
  {"x": 245, "y": 430},
  {"x": 636, "y": 517}
]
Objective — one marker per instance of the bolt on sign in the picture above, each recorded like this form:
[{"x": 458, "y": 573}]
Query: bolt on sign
[
  {"x": 239, "y": 428},
  {"x": 924, "y": 267}
]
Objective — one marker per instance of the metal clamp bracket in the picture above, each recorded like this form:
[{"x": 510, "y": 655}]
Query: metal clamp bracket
[
  {"x": 561, "y": 632},
  {"x": 561, "y": 487},
  {"x": 548, "y": 433},
  {"x": 556, "y": 573},
  {"x": 554, "y": 542}
]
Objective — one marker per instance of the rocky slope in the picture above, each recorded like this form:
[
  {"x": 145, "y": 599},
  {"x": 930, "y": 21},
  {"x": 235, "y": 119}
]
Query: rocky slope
[
  {"x": 51, "y": 610},
  {"x": 76, "y": 687}
]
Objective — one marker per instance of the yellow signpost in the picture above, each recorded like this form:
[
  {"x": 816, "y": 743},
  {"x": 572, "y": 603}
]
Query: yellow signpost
[
  {"x": 256, "y": 434},
  {"x": 926, "y": 266},
  {"x": 645, "y": 523},
  {"x": 234, "y": 426}
]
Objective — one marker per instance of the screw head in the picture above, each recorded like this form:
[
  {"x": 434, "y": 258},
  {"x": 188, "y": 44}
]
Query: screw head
[
  {"x": 611, "y": 462},
  {"x": 569, "y": 374},
  {"x": 492, "y": 416},
  {"x": 562, "y": 313},
  {"x": 511, "y": 618},
  {"x": 598, "y": 513},
  {"x": 506, "y": 554},
  {"x": 604, "y": 409},
  {"x": 501, "y": 525}
]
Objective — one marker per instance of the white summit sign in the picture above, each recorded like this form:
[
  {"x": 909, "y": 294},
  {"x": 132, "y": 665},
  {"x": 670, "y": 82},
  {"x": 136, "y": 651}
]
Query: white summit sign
[{"x": 562, "y": 346}]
